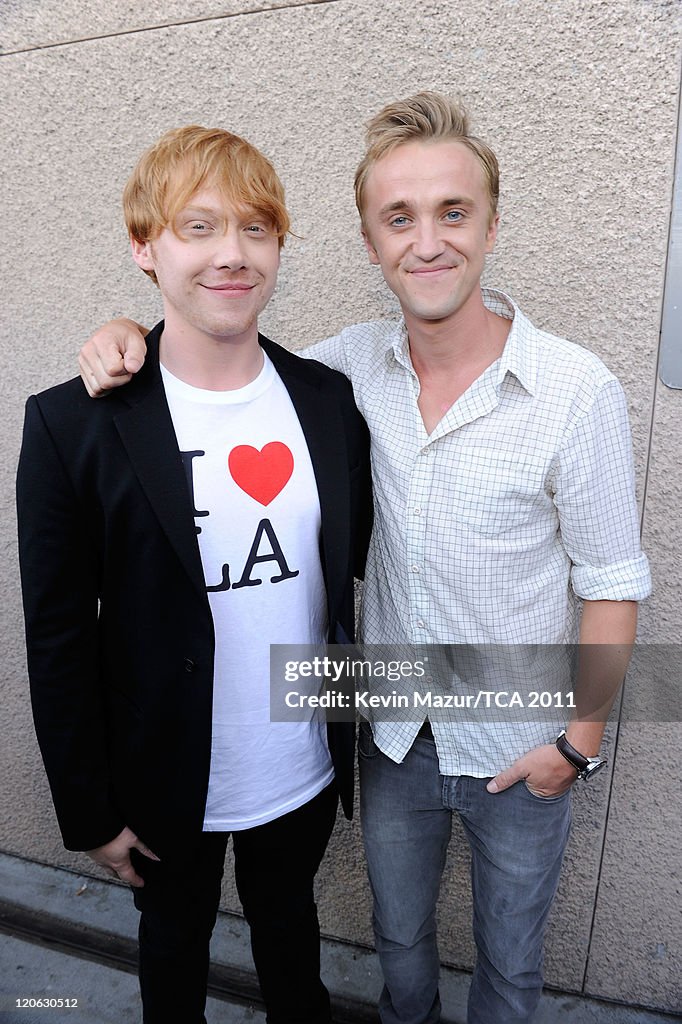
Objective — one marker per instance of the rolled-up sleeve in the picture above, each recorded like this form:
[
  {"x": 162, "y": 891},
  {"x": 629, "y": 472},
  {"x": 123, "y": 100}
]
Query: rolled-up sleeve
[{"x": 595, "y": 498}]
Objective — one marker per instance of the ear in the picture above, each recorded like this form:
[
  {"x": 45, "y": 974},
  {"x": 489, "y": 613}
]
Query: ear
[
  {"x": 142, "y": 254},
  {"x": 371, "y": 251},
  {"x": 491, "y": 236}
]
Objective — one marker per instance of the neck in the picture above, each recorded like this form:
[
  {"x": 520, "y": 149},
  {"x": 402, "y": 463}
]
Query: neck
[
  {"x": 208, "y": 362},
  {"x": 472, "y": 338},
  {"x": 450, "y": 354}
]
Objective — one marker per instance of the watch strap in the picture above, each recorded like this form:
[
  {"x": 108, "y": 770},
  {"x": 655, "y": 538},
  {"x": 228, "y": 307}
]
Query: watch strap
[
  {"x": 573, "y": 756},
  {"x": 584, "y": 766}
]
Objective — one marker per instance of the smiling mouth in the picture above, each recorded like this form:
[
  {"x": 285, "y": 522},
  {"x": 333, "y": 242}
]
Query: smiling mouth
[
  {"x": 429, "y": 271},
  {"x": 230, "y": 288}
]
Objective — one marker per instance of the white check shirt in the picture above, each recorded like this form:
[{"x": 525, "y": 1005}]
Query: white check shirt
[{"x": 486, "y": 531}]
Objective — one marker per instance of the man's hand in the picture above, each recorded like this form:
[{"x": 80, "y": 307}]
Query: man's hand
[
  {"x": 112, "y": 355},
  {"x": 544, "y": 770},
  {"x": 114, "y": 857},
  {"x": 607, "y": 633}
]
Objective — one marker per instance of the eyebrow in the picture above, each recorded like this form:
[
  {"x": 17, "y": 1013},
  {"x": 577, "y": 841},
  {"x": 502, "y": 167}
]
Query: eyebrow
[
  {"x": 402, "y": 204},
  {"x": 399, "y": 204},
  {"x": 187, "y": 210},
  {"x": 459, "y": 201},
  {"x": 246, "y": 213}
]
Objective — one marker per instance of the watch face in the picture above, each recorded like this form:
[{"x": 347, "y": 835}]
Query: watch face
[{"x": 592, "y": 768}]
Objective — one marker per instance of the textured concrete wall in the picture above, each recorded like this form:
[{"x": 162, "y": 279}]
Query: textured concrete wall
[{"x": 580, "y": 101}]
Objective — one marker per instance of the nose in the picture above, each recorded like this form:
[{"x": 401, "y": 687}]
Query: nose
[
  {"x": 427, "y": 243},
  {"x": 230, "y": 250}
]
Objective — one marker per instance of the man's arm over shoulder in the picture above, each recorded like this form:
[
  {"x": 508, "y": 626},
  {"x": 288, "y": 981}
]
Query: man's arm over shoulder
[
  {"x": 60, "y": 582},
  {"x": 357, "y": 351},
  {"x": 112, "y": 355}
]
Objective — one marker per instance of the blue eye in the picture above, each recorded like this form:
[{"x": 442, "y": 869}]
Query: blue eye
[
  {"x": 453, "y": 216},
  {"x": 398, "y": 222}
]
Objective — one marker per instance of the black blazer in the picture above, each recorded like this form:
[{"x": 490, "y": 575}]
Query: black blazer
[{"x": 119, "y": 630}]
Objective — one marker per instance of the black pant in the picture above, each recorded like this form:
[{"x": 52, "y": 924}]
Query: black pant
[{"x": 275, "y": 865}]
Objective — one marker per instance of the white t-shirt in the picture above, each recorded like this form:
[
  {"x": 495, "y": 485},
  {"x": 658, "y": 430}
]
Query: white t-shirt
[{"x": 257, "y": 515}]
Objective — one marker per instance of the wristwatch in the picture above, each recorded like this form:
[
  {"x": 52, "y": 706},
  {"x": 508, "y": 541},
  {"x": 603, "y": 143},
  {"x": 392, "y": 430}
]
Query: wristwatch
[{"x": 585, "y": 766}]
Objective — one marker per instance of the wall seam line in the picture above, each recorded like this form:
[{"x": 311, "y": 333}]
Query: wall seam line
[
  {"x": 166, "y": 24},
  {"x": 602, "y": 852},
  {"x": 657, "y": 380}
]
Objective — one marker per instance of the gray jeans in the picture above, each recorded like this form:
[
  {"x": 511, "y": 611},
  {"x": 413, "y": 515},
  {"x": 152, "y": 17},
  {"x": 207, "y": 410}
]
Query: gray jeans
[{"x": 517, "y": 843}]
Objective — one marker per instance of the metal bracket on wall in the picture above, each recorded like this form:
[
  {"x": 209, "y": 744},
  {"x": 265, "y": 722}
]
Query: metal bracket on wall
[{"x": 670, "y": 367}]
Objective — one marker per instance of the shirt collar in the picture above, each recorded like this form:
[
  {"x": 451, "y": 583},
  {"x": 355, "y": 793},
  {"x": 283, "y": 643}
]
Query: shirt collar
[
  {"x": 398, "y": 346},
  {"x": 519, "y": 356}
]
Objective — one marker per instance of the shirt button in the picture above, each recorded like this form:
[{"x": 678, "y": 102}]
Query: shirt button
[
  {"x": 189, "y": 665},
  {"x": 415, "y": 568},
  {"x": 417, "y": 511},
  {"x": 421, "y": 623}
]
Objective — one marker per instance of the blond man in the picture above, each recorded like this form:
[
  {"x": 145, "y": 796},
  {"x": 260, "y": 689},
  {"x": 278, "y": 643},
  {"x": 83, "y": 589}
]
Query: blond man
[
  {"x": 504, "y": 494},
  {"x": 167, "y": 538}
]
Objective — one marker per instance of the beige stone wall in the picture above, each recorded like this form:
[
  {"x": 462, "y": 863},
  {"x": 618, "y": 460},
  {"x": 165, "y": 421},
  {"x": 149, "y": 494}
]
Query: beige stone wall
[{"x": 580, "y": 100}]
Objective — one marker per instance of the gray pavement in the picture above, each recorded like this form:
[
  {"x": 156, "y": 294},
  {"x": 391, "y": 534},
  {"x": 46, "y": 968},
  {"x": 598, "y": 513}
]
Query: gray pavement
[
  {"x": 103, "y": 995},
  {"x": 68, "y": 936}
]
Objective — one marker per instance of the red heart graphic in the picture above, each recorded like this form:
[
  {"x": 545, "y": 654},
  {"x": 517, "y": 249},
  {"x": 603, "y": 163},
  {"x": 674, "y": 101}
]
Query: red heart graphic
[{"x": 261, "y": 474}]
